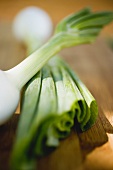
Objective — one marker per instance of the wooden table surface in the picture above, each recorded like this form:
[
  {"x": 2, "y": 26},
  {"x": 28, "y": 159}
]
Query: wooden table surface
[{"x": 91, "y": 150}]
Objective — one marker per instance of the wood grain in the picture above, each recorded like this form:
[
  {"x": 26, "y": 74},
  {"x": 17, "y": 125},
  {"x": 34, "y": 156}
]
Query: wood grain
[{"x": 90, "y": 150}]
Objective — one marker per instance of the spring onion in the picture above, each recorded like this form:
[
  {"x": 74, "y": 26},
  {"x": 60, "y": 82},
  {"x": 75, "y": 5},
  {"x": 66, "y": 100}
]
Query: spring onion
[
  {"x": 59, "y": 95},
  {"x": 32, "y": 26},
  {"x": 76, "y": 29}
]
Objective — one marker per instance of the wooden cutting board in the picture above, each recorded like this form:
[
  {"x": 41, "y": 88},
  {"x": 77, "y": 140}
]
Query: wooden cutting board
[{"x": 91, "y": 150}]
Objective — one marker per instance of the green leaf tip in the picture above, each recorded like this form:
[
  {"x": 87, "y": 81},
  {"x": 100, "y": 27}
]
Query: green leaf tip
[{"x": 84, "y": 26}]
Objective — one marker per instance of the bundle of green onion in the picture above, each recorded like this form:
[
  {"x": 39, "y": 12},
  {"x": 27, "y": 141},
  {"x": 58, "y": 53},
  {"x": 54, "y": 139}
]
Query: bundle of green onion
[{"x": 55, "y": 96}]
